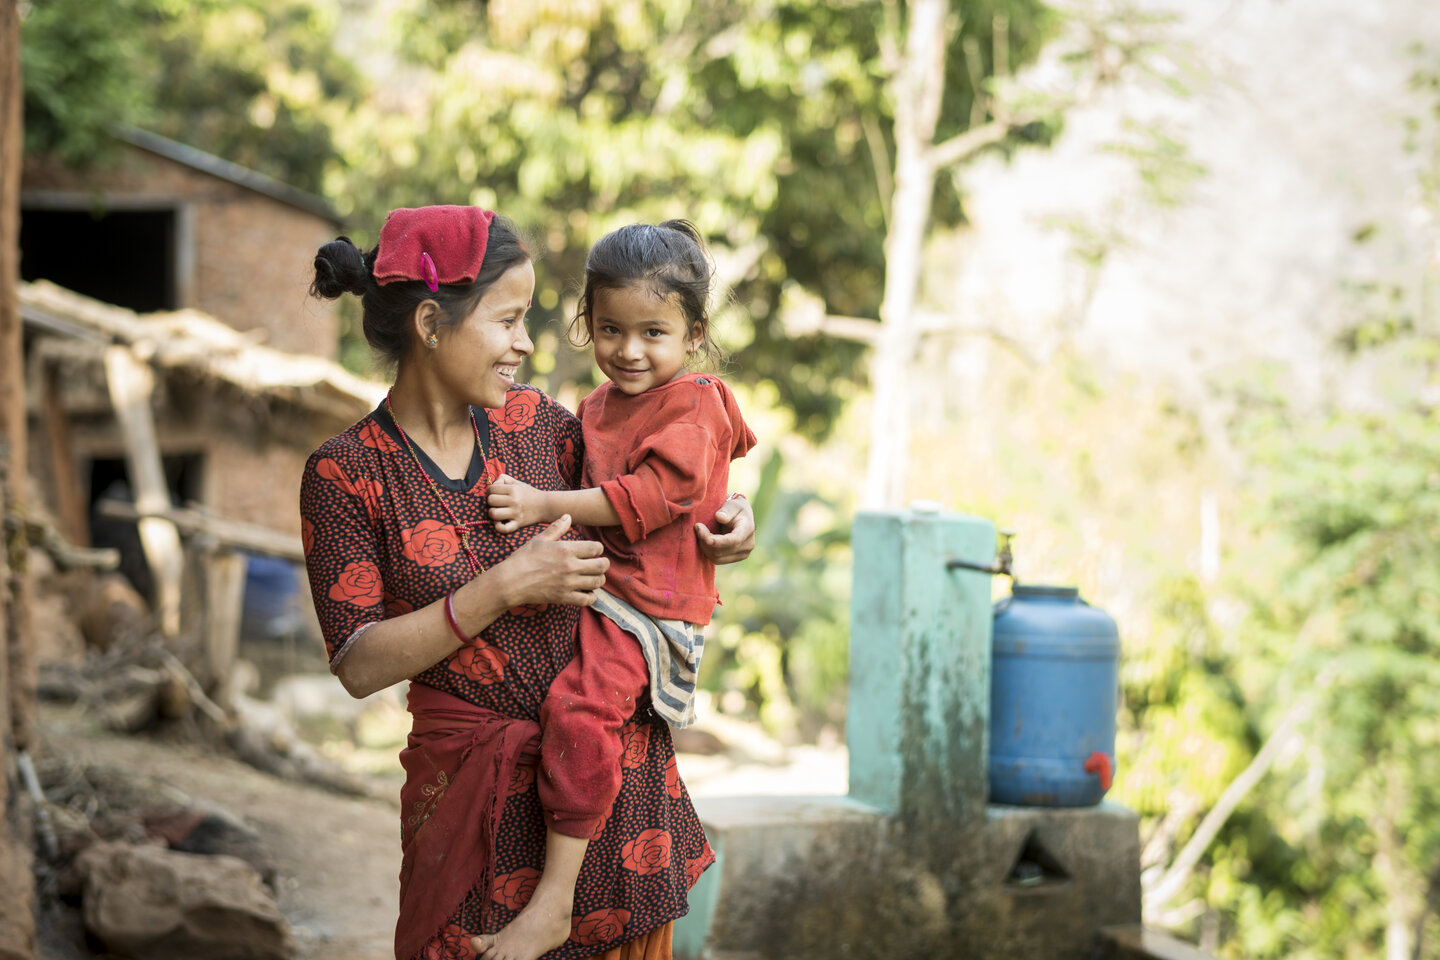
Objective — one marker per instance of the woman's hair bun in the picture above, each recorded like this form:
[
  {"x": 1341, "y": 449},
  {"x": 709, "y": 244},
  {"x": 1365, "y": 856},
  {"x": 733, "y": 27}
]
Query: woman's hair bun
[{"x": 339, "y": 268}]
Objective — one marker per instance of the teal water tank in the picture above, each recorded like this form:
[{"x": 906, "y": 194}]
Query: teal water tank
[{"x": 1055, "y": 679}]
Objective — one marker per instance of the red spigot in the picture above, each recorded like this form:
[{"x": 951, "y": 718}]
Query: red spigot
[{"x": 1100, "y": 763}]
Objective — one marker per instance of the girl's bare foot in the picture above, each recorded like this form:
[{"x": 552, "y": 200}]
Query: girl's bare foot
[{"x": 543, "y": 925}]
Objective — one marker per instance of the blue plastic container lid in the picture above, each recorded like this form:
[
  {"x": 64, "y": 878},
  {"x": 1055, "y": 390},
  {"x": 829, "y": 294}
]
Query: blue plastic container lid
[{"x": 1050, "y": 621}]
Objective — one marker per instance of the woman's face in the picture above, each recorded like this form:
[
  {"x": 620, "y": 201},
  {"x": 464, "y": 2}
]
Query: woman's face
[{"x": 478, "y": 357}]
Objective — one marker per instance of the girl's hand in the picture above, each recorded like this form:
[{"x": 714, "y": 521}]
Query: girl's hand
[
  {"x": 514, "y": 504},
  {"x": 735, "y": 544},
  {"x": 551, "y": 570}
]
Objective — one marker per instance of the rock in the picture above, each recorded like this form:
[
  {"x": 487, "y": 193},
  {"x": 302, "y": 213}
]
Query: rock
[
  {"x": 149, "y": 903},
  {"x": 210, "y": 833},
  {"x": 113, "y": 611}
]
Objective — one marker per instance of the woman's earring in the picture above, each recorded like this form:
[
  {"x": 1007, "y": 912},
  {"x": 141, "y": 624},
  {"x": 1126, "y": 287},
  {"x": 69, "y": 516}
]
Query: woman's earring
[{"x": 431, "y": 340}]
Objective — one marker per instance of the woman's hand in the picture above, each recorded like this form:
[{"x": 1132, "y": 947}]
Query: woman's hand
[
  {"x": 551, "y": 570},
  {"x": 738, "y": 518}
]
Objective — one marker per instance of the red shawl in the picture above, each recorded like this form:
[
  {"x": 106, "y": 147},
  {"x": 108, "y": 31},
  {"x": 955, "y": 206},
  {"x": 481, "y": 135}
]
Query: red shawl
[{"x": 458, "y": 763}]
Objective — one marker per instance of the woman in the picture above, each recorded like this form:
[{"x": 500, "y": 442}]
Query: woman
[{"x": 411, "y": 581}]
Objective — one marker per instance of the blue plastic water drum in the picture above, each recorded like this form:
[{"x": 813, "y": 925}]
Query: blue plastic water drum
[{"x": 1055, "y": 678}]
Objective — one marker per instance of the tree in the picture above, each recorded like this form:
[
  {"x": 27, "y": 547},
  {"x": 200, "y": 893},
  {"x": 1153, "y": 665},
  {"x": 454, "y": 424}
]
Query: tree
[
  {"x": 17, "y": 681},
  {"x": 257, "y": 82},
  {"x": 766, "y": 121}
]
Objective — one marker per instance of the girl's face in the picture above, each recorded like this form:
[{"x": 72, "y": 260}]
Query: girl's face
[
  {"x": 641, "y": 339},
  {"x": 478, "y": 357}
]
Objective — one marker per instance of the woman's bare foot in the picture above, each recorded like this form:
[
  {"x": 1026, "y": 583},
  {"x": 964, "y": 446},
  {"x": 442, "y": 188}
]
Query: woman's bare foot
[{"x": 543, "y": 925}]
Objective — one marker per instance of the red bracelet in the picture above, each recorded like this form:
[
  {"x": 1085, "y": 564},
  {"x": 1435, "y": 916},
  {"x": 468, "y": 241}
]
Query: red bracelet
[{"x": 454, "y": 623}]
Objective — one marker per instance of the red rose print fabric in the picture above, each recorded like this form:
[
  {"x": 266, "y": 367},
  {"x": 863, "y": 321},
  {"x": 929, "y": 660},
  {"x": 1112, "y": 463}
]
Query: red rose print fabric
[
  {"x": 519, "y": 413},
  {"x": 372, "y": 436},
  {"x": 431, "y": 543},
  {"x": 673, "y": 786},
  {"x": 522, "y": 780},
  {"x": 453, "y": 943},
  {"x": 379, "y": 544},
  {"x": 634, "y": 744},
  {"x": 516, "y": 888},
  {"x": 363, "y": 488},
  {"x": 599, "y": 926},
  {"x": 358, "y": 584},
  {"x": 480, "y": 663},
  {"x": 647, "y": 853},
  {"x": 395, "y": 607}
]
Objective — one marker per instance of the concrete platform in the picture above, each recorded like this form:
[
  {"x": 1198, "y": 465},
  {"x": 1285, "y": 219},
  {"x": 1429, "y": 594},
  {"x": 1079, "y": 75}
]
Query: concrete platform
[{"x": 820, "y": 877}]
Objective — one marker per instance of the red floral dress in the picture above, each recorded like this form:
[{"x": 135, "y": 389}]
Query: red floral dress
[{"x": 378, "y": 544}]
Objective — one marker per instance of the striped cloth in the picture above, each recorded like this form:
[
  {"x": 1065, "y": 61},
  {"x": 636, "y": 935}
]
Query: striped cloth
[{"x": 672, "y": 650}]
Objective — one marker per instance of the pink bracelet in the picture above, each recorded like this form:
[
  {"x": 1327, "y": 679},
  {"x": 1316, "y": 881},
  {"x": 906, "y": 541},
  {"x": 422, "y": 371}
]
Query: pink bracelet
[{"x": 454, "y": 623}]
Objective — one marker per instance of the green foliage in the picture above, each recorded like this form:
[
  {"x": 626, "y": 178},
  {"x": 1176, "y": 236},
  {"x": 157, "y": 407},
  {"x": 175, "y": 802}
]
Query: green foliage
[
  {"x": 767, "y": 123},
  {"x": 1349, "y": 618},
  {"x": 78, "y": 60},
  {"x": 256, "y": 82},
  {"x": 782, "y": 636}
]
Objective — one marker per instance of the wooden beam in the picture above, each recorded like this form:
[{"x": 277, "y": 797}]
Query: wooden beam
[
  {"x": 235, "y": 534},
  {"x": 132, "y": 384}
]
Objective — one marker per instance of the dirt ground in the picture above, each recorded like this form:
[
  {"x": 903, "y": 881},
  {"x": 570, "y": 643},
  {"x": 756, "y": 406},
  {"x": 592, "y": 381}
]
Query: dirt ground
[{"x": 337, "y": 858}]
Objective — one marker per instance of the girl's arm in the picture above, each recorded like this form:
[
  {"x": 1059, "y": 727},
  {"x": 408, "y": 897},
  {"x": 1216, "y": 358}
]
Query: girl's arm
[
  {"x": 515, "y": 504},
  {"x": 544, "y": 570}
]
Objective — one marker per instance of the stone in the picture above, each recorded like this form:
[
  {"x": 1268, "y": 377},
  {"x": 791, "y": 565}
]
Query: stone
[
  {"x": 112, "y": 611},
  {"x": 149, "y": 903},
  {"x": 209, "y": 833}
]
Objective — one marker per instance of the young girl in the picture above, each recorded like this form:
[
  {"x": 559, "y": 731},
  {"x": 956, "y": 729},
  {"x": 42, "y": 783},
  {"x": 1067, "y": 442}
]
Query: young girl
[{"x": 658, "y": 446}]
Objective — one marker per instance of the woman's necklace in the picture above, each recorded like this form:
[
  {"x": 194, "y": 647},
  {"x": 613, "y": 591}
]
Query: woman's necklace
[{"x": 462, "y": 529}]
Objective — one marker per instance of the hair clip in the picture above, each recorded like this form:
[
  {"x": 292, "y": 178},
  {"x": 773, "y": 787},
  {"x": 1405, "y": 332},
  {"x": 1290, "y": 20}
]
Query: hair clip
[{"x": 427, "y": 270}]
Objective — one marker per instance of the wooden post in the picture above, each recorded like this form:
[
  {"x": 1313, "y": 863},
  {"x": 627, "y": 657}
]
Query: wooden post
[
  {"x": 12, "y": 362},
  {"x": 17, "y": 682},
  {"x": 70, "y": 505},
  {"x": 132, "y": 384},
  {"x": 224, "y": 595}
]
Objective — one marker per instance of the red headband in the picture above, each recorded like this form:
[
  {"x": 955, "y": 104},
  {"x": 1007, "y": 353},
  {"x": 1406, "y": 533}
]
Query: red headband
[{"x": 442, "y": 244}]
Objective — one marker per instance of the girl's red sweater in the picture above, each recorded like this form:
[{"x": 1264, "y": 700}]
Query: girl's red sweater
[{"x": 663, "y": 459}]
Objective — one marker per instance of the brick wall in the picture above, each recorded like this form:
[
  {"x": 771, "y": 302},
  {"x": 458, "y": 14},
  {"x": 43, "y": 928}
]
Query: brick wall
[
  {"x": 256, "y": 483},
  {"x": 250, "y": 263}
]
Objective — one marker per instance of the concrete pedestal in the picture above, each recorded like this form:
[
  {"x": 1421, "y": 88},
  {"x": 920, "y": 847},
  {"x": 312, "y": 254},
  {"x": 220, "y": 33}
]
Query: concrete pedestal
[{"x": 813, "y": 878}]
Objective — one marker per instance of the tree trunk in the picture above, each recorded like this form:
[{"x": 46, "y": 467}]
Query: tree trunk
[
  {"x": 1402, "y": 883},
  {"x": 918, "y": 88},
  {"x": 17, "y": 885}
]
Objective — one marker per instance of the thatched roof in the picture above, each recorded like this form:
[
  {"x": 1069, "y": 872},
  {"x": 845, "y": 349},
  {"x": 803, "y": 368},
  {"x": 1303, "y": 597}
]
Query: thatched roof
[{"x": 196, "y": 343}]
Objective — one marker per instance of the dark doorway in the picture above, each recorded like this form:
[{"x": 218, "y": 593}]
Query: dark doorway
[
  {"x": 124, "y": 257},
  {"x": 110, "y": 480}
]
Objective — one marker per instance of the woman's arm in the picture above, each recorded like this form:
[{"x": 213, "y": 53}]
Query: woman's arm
[{"x": 545, "y": 570}]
